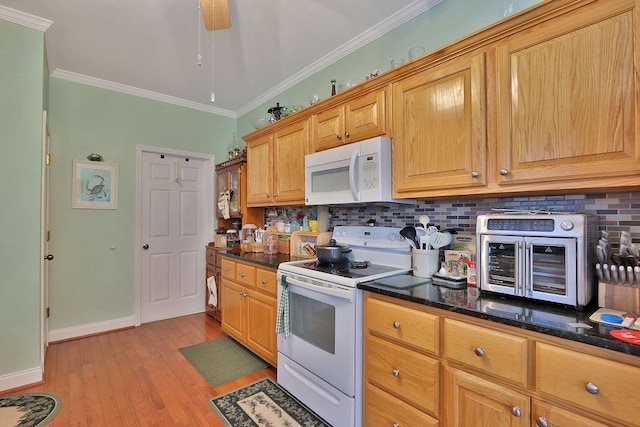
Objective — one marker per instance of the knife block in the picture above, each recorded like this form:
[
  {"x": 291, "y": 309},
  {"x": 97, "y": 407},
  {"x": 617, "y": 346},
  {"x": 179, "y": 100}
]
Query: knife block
[{"x": 619, "y": 297}]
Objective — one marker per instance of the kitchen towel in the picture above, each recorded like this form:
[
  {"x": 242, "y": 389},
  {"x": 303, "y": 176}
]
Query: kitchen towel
[
  {"x": 223, "y": 203},
  {"x": 213, "y": 291},
  {"x": 282, "y": 318}
]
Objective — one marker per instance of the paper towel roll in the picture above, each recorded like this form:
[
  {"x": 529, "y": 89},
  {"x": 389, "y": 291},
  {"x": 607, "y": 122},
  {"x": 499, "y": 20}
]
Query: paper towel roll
[
  {"x": 213, "y": 291},
  {"x": 323, "y": 218}
]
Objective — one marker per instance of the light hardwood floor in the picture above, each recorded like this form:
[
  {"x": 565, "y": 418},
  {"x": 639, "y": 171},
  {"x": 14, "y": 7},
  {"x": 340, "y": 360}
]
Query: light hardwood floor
[{"x": 135, "y": 377}]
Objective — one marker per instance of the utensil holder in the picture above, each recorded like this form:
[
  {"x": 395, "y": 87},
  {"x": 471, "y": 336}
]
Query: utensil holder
[{"x": 425, "y": 262}]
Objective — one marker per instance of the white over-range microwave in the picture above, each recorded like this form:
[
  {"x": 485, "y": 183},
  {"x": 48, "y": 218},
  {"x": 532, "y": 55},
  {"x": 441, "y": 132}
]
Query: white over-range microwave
[{"x": 353, "y": 173}]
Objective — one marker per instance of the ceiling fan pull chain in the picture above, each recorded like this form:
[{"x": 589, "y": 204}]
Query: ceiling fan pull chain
[
  {"x": 213, "y": 16},
  {"x": 200, "y": 23}
]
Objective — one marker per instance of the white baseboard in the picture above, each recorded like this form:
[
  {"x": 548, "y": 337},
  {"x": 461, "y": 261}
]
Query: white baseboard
[
  {"x": 21, "y": 378},
  {"x": 90, "y": 329}
]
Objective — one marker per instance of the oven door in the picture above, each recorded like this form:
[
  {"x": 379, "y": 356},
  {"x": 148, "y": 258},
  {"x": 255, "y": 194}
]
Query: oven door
[
  {"x": 551, "y": 269},
  {"x": 323, "y": 331},
  {"x": 501, "y": 264}
]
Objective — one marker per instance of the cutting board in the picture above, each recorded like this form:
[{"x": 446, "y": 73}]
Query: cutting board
[
  {"x": 402, "y": 282},
  {"x": 598, "y": 315}
]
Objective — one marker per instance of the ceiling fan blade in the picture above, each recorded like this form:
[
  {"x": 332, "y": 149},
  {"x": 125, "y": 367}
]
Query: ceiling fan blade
[{"x": 221, "y": 11}]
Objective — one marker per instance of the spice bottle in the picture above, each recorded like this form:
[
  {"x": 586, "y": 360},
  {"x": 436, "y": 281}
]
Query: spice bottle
[{"x": 333, "y": 87}]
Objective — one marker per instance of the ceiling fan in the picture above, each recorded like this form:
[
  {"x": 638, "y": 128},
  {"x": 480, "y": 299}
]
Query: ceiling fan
[{"x": 215, "y": 14}]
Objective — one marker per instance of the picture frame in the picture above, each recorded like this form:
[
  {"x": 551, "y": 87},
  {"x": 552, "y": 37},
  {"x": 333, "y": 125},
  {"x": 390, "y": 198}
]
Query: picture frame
[{"x": 95, "y": 185}]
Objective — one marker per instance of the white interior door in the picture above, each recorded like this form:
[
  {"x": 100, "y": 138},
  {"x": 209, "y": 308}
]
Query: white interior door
[
  {"x": 44, "y": 244},
  {"x": 172, "y": 236}
]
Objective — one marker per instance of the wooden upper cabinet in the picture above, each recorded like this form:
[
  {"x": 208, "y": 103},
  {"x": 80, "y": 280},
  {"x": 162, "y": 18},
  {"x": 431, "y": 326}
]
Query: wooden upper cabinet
[
  {"x": 260, "y": 171},
  {"x": 439, "y": 121},
  {"x": 355, "y": 120},
  {"x": 290, "y": 147},
  {"x": 276, "y": 166},
  {"x": 567, "y": 99}
]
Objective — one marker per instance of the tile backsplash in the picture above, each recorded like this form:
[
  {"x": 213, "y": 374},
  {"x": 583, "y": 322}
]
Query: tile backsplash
[{"x": 617, "y": 211}]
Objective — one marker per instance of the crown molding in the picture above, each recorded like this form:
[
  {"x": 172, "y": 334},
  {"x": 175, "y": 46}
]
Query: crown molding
[
  {"x": 373, "y": 33},
  {"x": 25, "y": 19},
  {"x": 143, "y": 93}
]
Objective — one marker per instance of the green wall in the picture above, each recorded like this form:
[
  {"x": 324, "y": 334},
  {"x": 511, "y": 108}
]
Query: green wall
[
  {"x": 21, "y": 104},
  {"x": 89, "y": 282},
  {"x": 441, "y": 25}
]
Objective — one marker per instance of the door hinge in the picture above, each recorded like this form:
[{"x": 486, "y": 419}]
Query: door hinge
[
  {"x": 48, "y": 159},
  {"x": 48, "y": 313}
]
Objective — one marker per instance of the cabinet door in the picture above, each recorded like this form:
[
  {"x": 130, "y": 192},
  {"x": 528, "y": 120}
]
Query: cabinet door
[
  {"x": 260, "y": 171},
  {"x": 233, "y": 310},
  {"x": 567, "y": 98},
  {"x": 440, "y": 128},
  {"x": 290, "y": 147},
  {"x": 210, "y": 309},
  {"x": 233, "y": 177},
  {"x": 261, "y": 326},
  {"x": 221, "y": 185},
  {"x": 546, "y": 414},
  {"x": 328, "y": 129},
  {"x": 472, "y": 401},
  {"x": 365, "y": 117}
]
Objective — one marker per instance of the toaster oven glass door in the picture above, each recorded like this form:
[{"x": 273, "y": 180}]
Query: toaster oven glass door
[
  {"x": 551, "y": 269},
  {"x": 501, "y": 265}
]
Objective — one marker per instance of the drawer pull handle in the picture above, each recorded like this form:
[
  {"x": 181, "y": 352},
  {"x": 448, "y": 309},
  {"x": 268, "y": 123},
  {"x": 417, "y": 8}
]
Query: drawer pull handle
[
  {"x": 264, "y": 282},
  {"x": 395, "y": 425},
  {"x": 396, "y": 372},
  {"x": 396, "y": 325},
  {"x": 516, "y": 411},
  {"x": 592, "y": 388},
  {"x": 479, "y": 351},
  {"x": 339, "y": 137},
  {"x": 242, "y": 275},
  {"x": 542, "y": 422},
  {"x": 475, "y": 174},
  {"x": 504, "y": 172}
]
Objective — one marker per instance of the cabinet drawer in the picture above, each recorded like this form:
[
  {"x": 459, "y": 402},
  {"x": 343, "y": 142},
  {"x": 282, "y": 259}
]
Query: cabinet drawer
[
  {"x": 266, "y": 281},
  {"x": 408, "y": 374},
  {"x": 228, "y": 269},
  {"x": 246, "y": 274},
  {"x": 407, "y": 325},
  {"x": 554, "y": 416},
  {"x": 211, "y": 256},
  {"x": 496, "y": 353},
  {"x": 382, "y": 409},
  {"x": 567, "y": 374}
]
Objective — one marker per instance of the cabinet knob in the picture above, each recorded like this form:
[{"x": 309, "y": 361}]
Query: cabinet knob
[
  {"x": 395, "y": 373},
  {"x": 542, "y": 422},
  {"x": 592, "y": 388},
  {"x": 395, "y": 425},
  {"x": 504, "y": 172},
  {"x": 479, "y": 351},
  {"x": 347, "y": 135},
  {"x": 268, "y": 195},
  {"x": 516, "y": 411},
  {"x": 396, "y": 324},
  {"x": 339, "y": 137},
  {"x": 264, "y": 282},
  {"x": 275, "y": 195},
  {"x": 475, "y": 174}
]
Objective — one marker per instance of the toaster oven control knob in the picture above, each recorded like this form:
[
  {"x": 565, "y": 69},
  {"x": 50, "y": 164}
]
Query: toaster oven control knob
[{"x": 566, "y": 225}]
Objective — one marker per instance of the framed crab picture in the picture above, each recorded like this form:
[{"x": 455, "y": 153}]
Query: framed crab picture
[{"x": 95, "y": 185}]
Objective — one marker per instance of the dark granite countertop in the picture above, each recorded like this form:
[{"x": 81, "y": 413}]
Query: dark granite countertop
[
  {"x": 270, "y": 261},
  {"x": 550, "y": 319}
]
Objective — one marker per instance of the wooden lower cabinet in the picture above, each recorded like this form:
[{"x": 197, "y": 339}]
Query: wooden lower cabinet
[
  {"x": 425, "y": 366},
  {"x": 249, "y": 308},
  {"x": 213, "y": 270},
  {"x": 473, "y": 401}
]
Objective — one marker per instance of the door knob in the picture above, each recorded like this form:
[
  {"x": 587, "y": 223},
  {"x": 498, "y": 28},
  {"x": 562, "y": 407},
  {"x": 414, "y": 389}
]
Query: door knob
[
  {"x": 48, "y": 257},
  {"x": 145, "y": 246}
]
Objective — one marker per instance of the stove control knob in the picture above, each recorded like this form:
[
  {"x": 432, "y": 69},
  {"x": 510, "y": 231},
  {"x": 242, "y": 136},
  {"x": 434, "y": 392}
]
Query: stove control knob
[{"x": 566, "y": 225}]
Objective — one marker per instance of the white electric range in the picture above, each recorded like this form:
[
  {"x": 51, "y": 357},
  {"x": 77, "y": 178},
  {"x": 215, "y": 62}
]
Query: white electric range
[{"x": 320, "y": 362}]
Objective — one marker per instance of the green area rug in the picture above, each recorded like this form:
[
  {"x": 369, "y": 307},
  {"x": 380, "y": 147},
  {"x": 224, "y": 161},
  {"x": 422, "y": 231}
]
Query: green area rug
[
  {"x": 263, "y": 403},
  {"x": 222, "y": 360},
  {"x": 28, "y": 409}
]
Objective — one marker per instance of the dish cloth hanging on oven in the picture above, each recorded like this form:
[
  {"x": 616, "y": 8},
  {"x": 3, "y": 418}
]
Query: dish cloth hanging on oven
[{"x": 282, "y": 318}]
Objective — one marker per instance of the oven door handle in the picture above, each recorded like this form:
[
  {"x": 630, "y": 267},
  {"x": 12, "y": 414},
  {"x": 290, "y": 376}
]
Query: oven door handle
[{"x": 333, "y": 290}]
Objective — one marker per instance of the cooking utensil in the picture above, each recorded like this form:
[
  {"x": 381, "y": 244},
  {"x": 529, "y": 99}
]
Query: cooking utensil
[
  {"x": 630, "y": 275},
  {"x": 440, "y": 240},
  {"x": 636, "y": 274},
  {"x": 622, "y": 274},
  {"x": 599, "y": 272},
  {"x": 606, "y": 273},
  {"x": 600, "y": 253},
  {"x": 409, "y": 232},
  {"x": 614, "y": 274},
  {"x": 332, "y": 253},
  {"x": 424, "y": 220}
]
